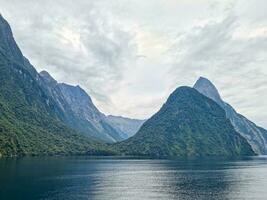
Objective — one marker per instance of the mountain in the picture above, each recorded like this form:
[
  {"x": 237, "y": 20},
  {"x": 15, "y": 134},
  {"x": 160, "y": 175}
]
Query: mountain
[
  {"x": 39, "y": 116},
  {"x": 8, "y": 45},
  {"x": 188, "y": 124},
  {"x": 125, "y": 126},
  {"x": 81, "y": 114},
  {"x": 255, "y": 135},
  {"x": 31, "y": 122}
]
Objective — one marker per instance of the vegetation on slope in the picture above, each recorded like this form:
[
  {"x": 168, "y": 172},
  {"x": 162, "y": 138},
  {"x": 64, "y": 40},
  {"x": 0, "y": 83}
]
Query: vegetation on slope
[
  {"x": 188, "y": 124},
  {"x": 28, "y": 120}
]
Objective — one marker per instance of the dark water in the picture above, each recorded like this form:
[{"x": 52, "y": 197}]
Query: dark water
[{"x": 86, "y": 178}]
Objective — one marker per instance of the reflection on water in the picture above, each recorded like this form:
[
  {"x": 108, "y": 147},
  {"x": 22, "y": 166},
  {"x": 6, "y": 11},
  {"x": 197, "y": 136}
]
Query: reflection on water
[{"x": 85, "y": 178}]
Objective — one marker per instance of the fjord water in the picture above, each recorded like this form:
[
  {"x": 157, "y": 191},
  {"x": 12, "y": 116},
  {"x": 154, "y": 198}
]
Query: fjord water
[{"x": 117, "y": 178}]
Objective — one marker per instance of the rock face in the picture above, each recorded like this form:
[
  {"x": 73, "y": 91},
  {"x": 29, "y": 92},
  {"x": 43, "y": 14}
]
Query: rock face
[
  {"x": 188, "y": 124},
  {"x": 8, "y": 45},
  {"x": 81, "y": 113},
  {"x": 126, "y": 126},
  {"x": 205, "y": 87},
  {"x": 255, "y": 135},
  {"x": 31, "y": 122}
]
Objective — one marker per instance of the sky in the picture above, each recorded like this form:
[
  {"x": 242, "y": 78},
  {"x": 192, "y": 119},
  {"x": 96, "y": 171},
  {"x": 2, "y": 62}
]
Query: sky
[{"x": 129, "y": 55}]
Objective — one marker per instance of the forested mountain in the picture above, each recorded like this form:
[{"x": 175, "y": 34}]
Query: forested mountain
[
  {"x": 31, "y": 123},
  {"x": 188, "y": 124}
]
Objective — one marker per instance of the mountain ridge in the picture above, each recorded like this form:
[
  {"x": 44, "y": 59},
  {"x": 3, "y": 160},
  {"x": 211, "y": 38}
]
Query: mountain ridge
[
  {"x": 76, "y": 102},
  {"x": 255, "y": 135},
  {"x": 188, "y": 124},
  {"x": 127, "y": 126},
  {"x": 82, "y": 113},
  {"x": 31, "y": 123},
  {"x": 40, "y": 116}
]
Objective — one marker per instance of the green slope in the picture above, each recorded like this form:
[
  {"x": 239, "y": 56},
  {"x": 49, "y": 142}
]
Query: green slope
[
  {"x": 28, "y": 121},
  {"x": 188, "y": 124},
  {"x": 31, "y": 123}
]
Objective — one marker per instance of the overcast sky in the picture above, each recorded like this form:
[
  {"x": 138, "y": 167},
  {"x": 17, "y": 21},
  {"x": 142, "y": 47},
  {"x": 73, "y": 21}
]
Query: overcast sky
[{"x": 129, "y": 55}]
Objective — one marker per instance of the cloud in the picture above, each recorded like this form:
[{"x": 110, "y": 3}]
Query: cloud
[
  {"x": 237, "y": 65},
  {"x": 130, "y": 55}
]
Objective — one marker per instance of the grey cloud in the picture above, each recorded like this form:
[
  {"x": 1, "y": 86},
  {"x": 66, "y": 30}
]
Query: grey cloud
[
  {"x": 96, "y": 44},
  {"x": 237, "y": 65}
]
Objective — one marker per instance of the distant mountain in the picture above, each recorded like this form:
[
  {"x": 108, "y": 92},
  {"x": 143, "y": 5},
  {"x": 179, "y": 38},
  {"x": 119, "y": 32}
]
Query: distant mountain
[
  {"x": 81, "y": 114},
  {"x": 255, "y": 135},
  {"x": 126, "y": 126},
  {"x": 188, "y": 124},
  {"x": 31, "y": 122}
]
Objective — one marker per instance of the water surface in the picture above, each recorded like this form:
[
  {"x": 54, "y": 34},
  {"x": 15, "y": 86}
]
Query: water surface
[{"x": 116, "y": 178}]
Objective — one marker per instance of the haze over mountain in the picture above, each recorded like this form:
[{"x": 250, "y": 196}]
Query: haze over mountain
[
  {"x": 128, "y": 127},
  {"x": 188, "y": 124},
  {"x": 254, "y": 134}
]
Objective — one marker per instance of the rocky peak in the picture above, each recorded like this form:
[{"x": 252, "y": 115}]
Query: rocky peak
[
  {"x": 76, "y": 93},
  {"x": 8, "y": 45},
  {"x": 207, "y": 88},
  {"x": 48, "y": 78}
]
